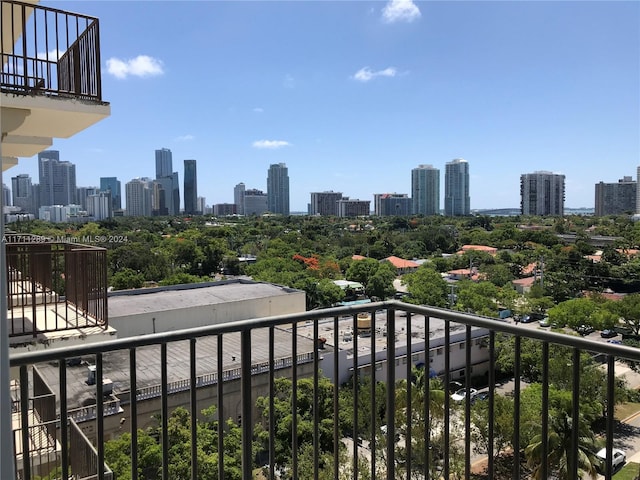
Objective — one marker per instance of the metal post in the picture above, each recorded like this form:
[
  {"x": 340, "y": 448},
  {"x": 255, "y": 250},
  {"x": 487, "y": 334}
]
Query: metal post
[
  {"x": 6, "y": 454},
  {"x": 245, "y": 389}
]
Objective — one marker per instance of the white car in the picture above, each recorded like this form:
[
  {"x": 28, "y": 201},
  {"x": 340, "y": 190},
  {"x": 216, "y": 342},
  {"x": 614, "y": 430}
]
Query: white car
[
  {"x": 618, "y": 457},
  {"x": 461, "y": 394}
]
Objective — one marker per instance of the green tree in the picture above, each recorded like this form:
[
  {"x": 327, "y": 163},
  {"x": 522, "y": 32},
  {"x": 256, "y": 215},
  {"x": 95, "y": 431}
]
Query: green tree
[
  {"x": 629, "y": 310},
  {"x": 427, "y": 287},
  {"x": 127, "y": 278}
]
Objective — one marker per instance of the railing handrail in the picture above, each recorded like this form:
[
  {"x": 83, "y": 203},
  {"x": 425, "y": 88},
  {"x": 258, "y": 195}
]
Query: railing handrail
[
  {"x": 37, "y": 6},
  {"x": 496, "y": 325}
]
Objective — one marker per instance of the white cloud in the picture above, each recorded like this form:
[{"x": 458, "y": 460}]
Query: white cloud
[
  {"x": 289, "y": 81},
  {"x": 271, "y": 144},
  {"x": 185, "y": 138},
  {"x": 365, "y": 74},
  {"x": 141, "y": 66},
  {"x": 51, "y": 56},
  {"x": 258, "y": 110},
  {"x": 400, "y": 11}
]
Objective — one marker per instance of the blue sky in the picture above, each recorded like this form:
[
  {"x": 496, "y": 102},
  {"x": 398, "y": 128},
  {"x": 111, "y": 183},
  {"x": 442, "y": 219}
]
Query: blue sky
[{"x": 353, "y": 95}]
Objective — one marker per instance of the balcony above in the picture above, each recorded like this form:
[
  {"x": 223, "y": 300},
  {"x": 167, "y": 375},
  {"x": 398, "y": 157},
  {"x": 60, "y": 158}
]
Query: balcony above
[
  {"x": 50, "y": 82},
  {"x": 56, "y": 292}
]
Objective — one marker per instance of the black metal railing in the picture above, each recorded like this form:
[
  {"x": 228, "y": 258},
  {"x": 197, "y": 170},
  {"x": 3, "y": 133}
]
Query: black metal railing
[
  {"x": 461, "y": 342},
  {"x": 54, "y": 286},
  {"x": 49, "y": 51}
]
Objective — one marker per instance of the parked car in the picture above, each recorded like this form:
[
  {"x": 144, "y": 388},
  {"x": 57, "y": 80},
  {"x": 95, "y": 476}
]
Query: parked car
[
  {"x": 461, "y": 394},
  {"x": 527, "y": 319},
  {"x": 615, "y": 342},
  {"x": 584, "y": 329},
  {"x": 545, "y": 322},
  {"x": 618, "y": 458},
  {"x": 608, "y": 333},
  {"x": 481, "y": 396}
]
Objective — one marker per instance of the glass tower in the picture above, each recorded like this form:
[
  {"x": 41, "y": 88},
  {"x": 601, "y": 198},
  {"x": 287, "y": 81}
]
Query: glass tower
[
  {"x": 278, "y": 189},
  {"x": 190, "y": 188},
  {"x": 425, "y": 190},
  {"x": 456, "y": 188}
]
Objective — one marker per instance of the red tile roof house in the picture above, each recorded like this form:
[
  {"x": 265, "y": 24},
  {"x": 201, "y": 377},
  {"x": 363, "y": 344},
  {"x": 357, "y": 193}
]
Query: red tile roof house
[
  {"x": 478, "y": 248},
  {"x": 402, "y": 266},
  {"x": 523, "y": 285}
]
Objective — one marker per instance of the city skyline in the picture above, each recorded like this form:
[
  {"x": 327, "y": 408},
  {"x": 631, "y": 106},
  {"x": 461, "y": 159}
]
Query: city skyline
[{"x": 520, "y": 86}]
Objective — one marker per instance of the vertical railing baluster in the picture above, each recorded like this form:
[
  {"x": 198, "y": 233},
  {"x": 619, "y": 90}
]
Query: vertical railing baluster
[
  {"x": 409, "y": 413},
  {"x": 467, "y": 405},
  {"x": 316, "y": 394},
  {"x": 164, "y": 411},
  {"x": 336, "y": 401},
  {"x": 447, "y": 395},
  {"x": 294, "y": 400},
  {"x": 100, "y": 414},
  {"x": 272, "y": 407},
  {"x": 426, "y": 399},
  {"x": 356, "y": 386},
  {"x": 516, "y": 407},
  {"x": 220, "y": 393},
  {"x": 133, "y": 398},
  {"x": 194, "y": 408},
  {"x": 64, "y": 426},
  {"x": 611, "y": 386},
  {"x": 24, "y": 421},
  {"x": 374, "y": 416},
  {"x": 492, "y": 399},
  {"x": 247, "y": 427},
  {"x": 545, "y": 409},
  {"x": 391, "y": 394},
  {"x": 575, "y": 413}
]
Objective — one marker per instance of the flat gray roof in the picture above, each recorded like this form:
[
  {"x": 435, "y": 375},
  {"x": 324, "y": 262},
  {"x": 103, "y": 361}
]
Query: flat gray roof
[
  {"x": 148, "y": 365},
  {"x": 176, "y": 297}
]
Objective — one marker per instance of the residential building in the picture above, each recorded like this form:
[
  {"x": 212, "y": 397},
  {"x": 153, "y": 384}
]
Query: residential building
[
  {"x": 23, "y": 193},
  {"x": 638, "y": 193},
  {"x": 164, "y": 163},
  {"x": 82, "y": 193},
  {"x": 353, "y": 207},
  {"x": 616, "y": 198},
  {"x": 100, "y": 206},
  {"x": 238, "y": 198},
  {"x": 191, "y": 188},
  {"x": 255, "y": 202},
  {"x": 425, "y": 190},
  {"x": 456, "y": 188},
  {"x": 112, "y": 184},
  {"x": 224, "y": 209},
  {"x": 278, "y": 189},
  {"x": 324, "y": 203},
  {"x": 542, "y": 193},
  {"x": 138, "y": 194},
  {"x": 57, "y": 179},
  {"x": 387, "y": 204}
]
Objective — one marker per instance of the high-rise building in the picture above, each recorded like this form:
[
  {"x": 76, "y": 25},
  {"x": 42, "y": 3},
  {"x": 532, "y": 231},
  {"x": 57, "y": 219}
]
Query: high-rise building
[
  {"x": 353, "y": 207},
  {"x": 425, "y": 190},
  {"x": 83, "y": 193},
  {"x": 202, "y": 205},
  {"x": 238, "y": 198},
  {"x": 638, "y": 192},
  {"x": 224, "y": 209},
  {"x": 616, "y": 198},
  {"x": 57, "y": 179},
  {"x": 191, "y": 188},
  {"x": 456, "y": 188},
  {"x": 278, "y": 189},
  {"x": 164, "y": 163},
  {"x": 542, "y": 193},
  {"x": 255, "y": 202},
  {"x": 388, "y": 204},
  {"x": 138, "y": 193},
  {"x": 112, "y": 184},
  {"x": 6, "y": 196},
  {"x": 164, "y": 170},
  {"x": 23, "y": 193},
  {"x": 324, "y": 203},
  {"x": 99, "y": 205}
]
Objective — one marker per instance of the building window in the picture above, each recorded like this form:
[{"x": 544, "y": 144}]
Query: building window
[
  {"x": 439, "y": 351},
  {"x": 478, "y": 341},
  {"x": 397, "y": 362},
  {"x": 415, "y": 357},
  {"x": 462, "y": 346},
  {"x": 404, "y": 360},
  {"x": 378, "y": 368}
]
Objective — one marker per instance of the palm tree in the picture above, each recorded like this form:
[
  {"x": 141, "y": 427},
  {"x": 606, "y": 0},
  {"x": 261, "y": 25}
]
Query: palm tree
[{"x": 561, "y": 457}]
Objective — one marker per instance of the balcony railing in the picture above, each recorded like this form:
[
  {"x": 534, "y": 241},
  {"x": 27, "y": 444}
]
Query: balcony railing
[
  {"x": 54, "y": 286},
  {"x": 412, "y": 334},
  {"x": 49, "y": 51}
]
